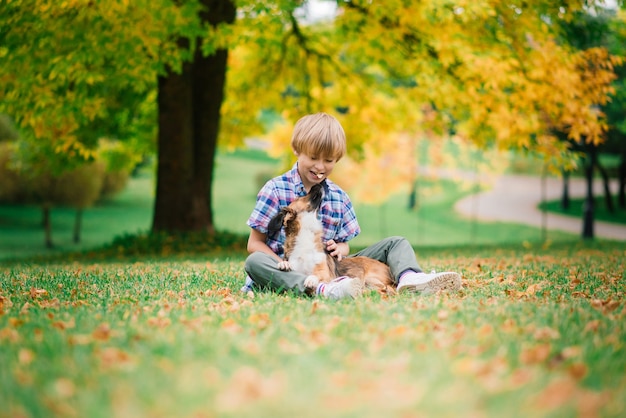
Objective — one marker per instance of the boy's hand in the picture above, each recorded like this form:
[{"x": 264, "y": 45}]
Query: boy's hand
[{"x": 333, "y": 249}]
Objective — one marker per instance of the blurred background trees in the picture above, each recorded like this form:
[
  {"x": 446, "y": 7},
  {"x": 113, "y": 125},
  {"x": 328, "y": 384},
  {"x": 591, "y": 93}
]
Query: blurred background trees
[{"x": 181, "y": 78}]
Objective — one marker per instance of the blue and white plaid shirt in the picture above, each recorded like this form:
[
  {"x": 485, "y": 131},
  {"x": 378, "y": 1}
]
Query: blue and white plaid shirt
[{"x": 336, "y": 211}]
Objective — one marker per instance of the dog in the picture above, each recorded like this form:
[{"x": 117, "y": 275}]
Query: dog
[{"x": 305, "y": 250}]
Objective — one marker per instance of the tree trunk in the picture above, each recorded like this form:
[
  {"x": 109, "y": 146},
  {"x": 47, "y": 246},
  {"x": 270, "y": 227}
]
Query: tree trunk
[
  {"x": 608, "y": 199},
  {"x": 189, "y": 115},
  {"x": 78, "y": 221},
  {"x": 565, "y": 200},
  {"x": 175, "y": 149},
  {"x": 47, "y": 227},
  {"x": 621, "y": 190},
  {"x": 588, "y": 206}
]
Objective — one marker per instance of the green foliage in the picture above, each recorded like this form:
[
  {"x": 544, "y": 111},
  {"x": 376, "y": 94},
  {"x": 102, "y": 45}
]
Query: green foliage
[
  {"x": 119, "y": 160},
  {"x": 9, "y": 179},
  {"x": 79, "y": 188},
  {"x": 163, "y": 244},
  {"x": 533, "y": 333},
  {"x": 7, "y": 129},
  {"x": 492, "y": 74}
]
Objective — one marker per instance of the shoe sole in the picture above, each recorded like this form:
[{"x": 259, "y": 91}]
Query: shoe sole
[{"x": 445, "y": 282}]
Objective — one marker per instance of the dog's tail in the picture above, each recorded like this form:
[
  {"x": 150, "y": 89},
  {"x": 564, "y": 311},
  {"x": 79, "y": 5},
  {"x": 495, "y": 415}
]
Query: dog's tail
[{"x": 333, "y": 265}]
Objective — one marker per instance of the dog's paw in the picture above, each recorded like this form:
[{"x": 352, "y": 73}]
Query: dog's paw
[
  {"x": 284, "y": 265},
  {"x": 311, "y": 282}
]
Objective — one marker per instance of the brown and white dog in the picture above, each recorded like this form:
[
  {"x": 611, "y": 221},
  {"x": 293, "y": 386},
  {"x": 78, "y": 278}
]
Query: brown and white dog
[{"x": 305, "y": 249}]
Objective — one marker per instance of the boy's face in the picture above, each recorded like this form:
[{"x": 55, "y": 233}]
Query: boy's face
[{"x": 314, "y": 169}]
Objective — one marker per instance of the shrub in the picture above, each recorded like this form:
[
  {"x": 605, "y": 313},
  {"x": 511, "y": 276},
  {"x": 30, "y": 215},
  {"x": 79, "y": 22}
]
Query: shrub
[
  {"x": 9, "y": 176},
  {"x": 119, "y": 161}
]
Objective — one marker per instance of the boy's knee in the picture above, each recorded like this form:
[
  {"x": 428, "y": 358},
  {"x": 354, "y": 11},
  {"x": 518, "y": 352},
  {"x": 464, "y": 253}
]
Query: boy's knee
[
  {"x": 397, "y": 239},
  {"x": 253, "y": 260}
]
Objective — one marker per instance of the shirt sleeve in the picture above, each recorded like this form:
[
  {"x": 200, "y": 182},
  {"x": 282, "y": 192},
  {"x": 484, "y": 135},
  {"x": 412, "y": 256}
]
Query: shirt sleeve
[
  {"x": 338, "y": 215},
  {"x": 350, "y": 225},
  {"x": 266, "y": 207}
]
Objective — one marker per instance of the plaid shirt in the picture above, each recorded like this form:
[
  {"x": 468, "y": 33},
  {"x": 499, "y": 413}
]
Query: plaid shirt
[{"x": 336, "y": 211}]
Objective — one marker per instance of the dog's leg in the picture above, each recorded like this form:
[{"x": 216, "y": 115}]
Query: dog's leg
[
  {"x": 283, "y": 265},
  {"x": 322, "y": 273},
  {"x": 311, "y": 282},
  {"x": 374, "y": 274}
]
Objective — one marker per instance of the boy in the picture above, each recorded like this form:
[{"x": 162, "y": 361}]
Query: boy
[{"x": 319, "y": 142}]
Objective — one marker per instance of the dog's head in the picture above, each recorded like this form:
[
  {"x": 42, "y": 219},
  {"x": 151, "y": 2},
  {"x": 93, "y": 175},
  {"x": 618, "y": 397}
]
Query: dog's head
[{"x": 287, "y": 216}]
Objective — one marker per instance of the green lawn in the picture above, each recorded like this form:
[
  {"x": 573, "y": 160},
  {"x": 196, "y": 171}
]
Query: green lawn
[
  {"x": 237, "y": 180},
  {"x": 601, "y": 211},
  {"x": 533, "y": 333},
  {"x": 538, "y": 329}
]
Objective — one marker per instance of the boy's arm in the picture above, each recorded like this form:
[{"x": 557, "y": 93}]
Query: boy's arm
[{"x": 256, "y": 242}]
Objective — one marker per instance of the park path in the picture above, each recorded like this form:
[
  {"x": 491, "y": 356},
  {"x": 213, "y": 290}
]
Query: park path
[{"x": 514, "y": 198}]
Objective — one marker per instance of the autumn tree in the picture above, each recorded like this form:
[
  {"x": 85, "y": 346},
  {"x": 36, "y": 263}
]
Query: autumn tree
[
  {"x": 490, "y": 73},
  {"x": 71, "y": 64},
  {"x": 397, "y": 73}
]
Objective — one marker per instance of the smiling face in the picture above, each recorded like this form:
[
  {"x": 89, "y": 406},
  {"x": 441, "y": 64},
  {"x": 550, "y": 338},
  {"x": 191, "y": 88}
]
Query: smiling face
[
  {"x": 314, "y": 169},
  {"x": 319, "y": 142}
]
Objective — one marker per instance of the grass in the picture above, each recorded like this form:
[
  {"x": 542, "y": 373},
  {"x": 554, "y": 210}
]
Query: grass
[
  {"x": 601, "y": 212},
  {"x": 538, "y": 330},
  {"x": 535, "y": 332}
]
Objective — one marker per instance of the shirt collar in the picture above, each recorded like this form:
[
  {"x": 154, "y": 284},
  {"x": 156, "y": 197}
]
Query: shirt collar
[{"x": 297, "y": 180}]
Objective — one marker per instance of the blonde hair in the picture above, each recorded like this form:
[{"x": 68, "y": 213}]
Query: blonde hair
[{"x": 319, "y": 134}]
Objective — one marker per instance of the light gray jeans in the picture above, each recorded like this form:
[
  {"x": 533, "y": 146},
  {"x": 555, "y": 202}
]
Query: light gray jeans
[{"x": 396, "y": 252}]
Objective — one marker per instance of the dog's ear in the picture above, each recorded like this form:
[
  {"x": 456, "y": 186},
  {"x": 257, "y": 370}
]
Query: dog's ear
[
  {"x": 315, "y": 196},
  {"x": 276, "y": 223}
]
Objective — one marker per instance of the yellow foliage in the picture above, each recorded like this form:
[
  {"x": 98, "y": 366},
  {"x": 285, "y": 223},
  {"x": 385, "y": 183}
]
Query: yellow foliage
[
  {"x": 381, "y": 173},
  {"x": 492, "y": 74}
]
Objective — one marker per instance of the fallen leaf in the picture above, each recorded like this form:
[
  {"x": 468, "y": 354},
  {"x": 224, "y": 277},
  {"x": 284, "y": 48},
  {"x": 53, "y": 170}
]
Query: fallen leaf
[
  {"x": 535, "y": 354},
  {"x": 25, "y": 356},
  {"x": 231, "y": 326},
  {"x": 260, "y": 320},
  {"x": 64, "y": 387},
  {"x": 577, "y": 370},
  {"x": 485, "y": 330},
  {"x": 114, "y": 357},
  {"x": 397, "y": 331},
  {"x": 5, "y": 304},
  {"x": 36, "y": 293},
  {"x": 556, "y": 394},
  {"x": 63, "y": 325},
  {"x": 570, "y": 352},
  {"x": 47, "y": 304},
  {"x": 102, "y": 332},
  {"x": 546, "y": 333},
  {"x": 9, "y": 334},
  {"x": 592, "y": 326},
  {"x": 79, "y": 339},
  {"x": 246, "y": 386}
]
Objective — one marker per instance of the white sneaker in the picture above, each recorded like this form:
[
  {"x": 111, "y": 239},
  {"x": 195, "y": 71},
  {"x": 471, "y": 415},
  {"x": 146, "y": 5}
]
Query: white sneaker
[
  {"x": 343, "y": 287},
  {"x": 426, "y": 283}
]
